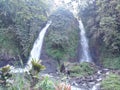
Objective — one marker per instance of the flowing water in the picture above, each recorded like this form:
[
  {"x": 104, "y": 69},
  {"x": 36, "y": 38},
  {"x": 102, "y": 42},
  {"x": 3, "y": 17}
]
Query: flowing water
[
  {"x": 85, "y": 54},
  {"x": 84, "y": 44},
  {"x": 37, "y": 47},
  {"x": 35, "y": 52}
]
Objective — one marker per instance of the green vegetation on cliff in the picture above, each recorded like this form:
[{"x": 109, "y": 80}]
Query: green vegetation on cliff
[
  {"x": 20, "y": 23},
  {"x": 63, "y": 36},
  {"x": 102, "y": 22}
]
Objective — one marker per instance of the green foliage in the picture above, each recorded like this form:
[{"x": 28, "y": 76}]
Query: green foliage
[
  {"x": 5, "y": 69},
  {"x": 7, "y": 43},
  {"x": 33, "y": 75},
  {"x": 19, "y": 83},
  {"x": 5, "y": 75},
  {"x": 102, "y": 22},
  {"x": 111, "y": 82},
  {"x": 36, "y": 67},
  {"x": 112, "y": 63},
  {"x": 46, "y": 84},
  {"x": 62, "y": 38},
  {"x": 22, "y": 81},
  {"x": 82, "y": 69},
  {"x": 21, "y": 21}
]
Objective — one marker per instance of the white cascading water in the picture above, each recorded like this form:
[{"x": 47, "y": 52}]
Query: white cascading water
[
  {"x": 35, "y": 52},
  {"x": 37, "y": 47},
  {"x": 84, "y": 41},
  {"x": 84, "y": 44}
]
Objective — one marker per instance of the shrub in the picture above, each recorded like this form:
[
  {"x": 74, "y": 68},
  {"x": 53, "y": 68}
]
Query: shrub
[
  {"x": 111, "y": 82},
  {"x": 45, "y": 84},
  {"x": 81, "y": 69},
  {"x": 112, "y": 63},
  {"x": 20, "y": 81},
  {"x": 5, "y": 75},
  {"x": 33, "y": 75},
  {"x": 36, "y": 67}
]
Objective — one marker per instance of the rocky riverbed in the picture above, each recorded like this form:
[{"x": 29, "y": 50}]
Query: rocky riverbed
[{"x": 91, "y": 82}]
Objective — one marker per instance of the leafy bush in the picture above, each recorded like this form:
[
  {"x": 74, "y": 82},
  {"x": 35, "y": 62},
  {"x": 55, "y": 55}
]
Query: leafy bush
[
  {"x": 19, "y": 82},
  {"x": 21, "y": 24},
  {"x": 7, "y": 42},
  {"x": 5, "y": 75},
  {"x": 36, "y": 67},
  {"x": 46, "y": 84},
  {"x": 112, "y": 63},
  {"x": 10, "y": 81},
  {"x": 111, "y": 82},
  {"x": 82, "y": 69}
]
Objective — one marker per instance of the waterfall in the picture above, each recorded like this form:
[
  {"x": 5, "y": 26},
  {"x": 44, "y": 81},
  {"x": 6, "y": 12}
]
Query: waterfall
[
  {"x": 37, "y": 47},
  {"x": 35, "y": 52},
  {"x": 84, "y": 44}
]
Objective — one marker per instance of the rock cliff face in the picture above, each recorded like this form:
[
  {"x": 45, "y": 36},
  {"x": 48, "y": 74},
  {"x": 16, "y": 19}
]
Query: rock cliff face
[{"x": 62, "y": 38}]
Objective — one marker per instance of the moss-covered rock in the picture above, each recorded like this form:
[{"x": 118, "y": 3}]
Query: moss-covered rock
[{"x": 62, "y": 38}]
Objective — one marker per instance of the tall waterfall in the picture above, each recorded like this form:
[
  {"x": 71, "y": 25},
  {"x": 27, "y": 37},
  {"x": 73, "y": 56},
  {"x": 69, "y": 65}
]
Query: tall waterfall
[
  {"x": 37, "y": 47},
  {"x": 84, "y": 44},
  {"x": 35, "y": 52}
]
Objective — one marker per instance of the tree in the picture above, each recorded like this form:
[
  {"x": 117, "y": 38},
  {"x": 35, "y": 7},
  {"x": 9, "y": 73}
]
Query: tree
[{"x": 23, "y": 19}]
